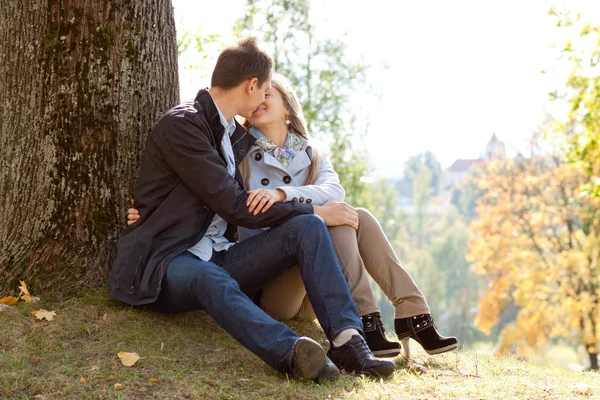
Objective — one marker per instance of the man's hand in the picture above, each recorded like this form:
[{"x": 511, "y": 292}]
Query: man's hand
[
  {"x": 260, "y": 200},
  {"x": 336, "y": 213}
]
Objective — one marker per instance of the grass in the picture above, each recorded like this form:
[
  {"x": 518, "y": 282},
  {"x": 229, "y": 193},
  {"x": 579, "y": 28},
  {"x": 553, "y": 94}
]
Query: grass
[{"x": 191, "y": 357}]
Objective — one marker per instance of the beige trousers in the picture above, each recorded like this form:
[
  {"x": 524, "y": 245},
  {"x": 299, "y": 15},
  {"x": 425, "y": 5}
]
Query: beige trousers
[{"x": 360, "y": 252}]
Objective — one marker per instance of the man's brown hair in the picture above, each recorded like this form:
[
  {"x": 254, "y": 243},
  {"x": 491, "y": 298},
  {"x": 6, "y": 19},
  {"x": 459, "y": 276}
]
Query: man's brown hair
[{"x": 242, "y": 61}]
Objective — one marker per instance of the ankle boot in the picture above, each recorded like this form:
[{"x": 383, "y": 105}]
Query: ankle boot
[
  {"x": 422, "y": 329},
  {"x": 375, "y": 337}
]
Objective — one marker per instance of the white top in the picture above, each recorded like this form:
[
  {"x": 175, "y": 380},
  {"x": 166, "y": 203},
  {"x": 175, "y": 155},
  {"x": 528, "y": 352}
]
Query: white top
[{"x": 214, "y": 238}]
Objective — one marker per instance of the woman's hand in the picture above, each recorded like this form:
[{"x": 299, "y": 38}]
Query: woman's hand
[
  {"x": 132, "y": 214},
  {"x": 260, "y": 200},
  {"x": 336, "y": 213}
]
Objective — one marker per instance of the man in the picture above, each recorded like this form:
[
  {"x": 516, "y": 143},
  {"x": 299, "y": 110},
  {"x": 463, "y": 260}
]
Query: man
[{"x": 181, "y": 256}]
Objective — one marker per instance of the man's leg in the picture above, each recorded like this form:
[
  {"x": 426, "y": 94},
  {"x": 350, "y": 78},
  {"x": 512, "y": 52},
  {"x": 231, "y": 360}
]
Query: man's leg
[
  {"x": 305, "y": 240},
  {"x": 192, "y": 284}
]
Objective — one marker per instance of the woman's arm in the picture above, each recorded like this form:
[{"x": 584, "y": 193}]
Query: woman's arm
[{"x": 326, "y": 187}]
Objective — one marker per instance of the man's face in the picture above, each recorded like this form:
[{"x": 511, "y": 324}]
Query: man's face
[{"x": 257, "y": 96}]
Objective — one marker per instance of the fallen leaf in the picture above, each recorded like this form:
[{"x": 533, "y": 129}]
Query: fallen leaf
[
  {"x": 30, "y": 299},
  {"x": 43, "y": 314},
  {"x": 583, "y": 388},
  {"x": 118, "y": 386},
  {"x": 162, "y": 346},
  {"x": 104, "y": 317},
  {"x": 9, "y": 300},
  {"x": 82, "y": 380},
  {"x": 95, "y": 368},
  {"x": 25, "y": 295},
  {"x": 128, "y": 359},
  {"x": 153, "y": 380}
]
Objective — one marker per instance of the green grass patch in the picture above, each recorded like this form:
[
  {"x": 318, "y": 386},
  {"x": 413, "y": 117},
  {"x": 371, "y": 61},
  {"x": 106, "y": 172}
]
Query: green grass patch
[{"x": 191, "y": 357}]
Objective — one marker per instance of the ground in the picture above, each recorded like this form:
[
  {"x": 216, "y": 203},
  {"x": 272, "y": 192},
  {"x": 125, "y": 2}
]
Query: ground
[{"x": 189, "y": 356}]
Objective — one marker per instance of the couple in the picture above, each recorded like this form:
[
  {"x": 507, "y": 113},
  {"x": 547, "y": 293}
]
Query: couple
[{"x": 180, "y": 255}]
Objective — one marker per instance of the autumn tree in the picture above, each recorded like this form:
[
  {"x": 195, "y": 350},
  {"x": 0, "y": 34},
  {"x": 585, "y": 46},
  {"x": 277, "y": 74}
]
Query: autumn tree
[
  {"x": 534, "y": 239},
  {"x": 82, "y": 84},
  {"x": 324, "y": 76},
  {"x": 581, "y": 125}
]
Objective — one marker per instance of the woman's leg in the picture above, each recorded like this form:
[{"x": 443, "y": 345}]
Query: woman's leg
[
  {"x": 345, "y": 245},
  {"x": 383, "y": 265},
  {"x": 413, "y": 318},
  {"x": 285, "y": 297}
]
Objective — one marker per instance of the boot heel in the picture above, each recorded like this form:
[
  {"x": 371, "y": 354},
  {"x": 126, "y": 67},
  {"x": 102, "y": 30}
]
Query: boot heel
[{"x": 406, "y": 347}]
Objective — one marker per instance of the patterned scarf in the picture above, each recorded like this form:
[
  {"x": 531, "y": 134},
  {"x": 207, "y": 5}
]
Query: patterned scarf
[{"x": 285, "y": 154}]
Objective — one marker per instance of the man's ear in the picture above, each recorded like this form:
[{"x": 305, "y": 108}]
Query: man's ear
[{"x": 251, "y": 85}]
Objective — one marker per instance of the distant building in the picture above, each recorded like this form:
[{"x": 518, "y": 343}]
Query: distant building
[
  {"x": 461, "y": 168},
  {"x": 495, "y": 149}
]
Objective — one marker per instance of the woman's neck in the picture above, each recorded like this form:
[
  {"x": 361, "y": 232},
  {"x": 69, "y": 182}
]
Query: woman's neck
[{"x": 276, "y": 132}]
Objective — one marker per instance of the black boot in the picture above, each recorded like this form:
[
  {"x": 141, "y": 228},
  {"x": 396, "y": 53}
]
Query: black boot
[
  {"x": 422, "y": 329},
  {"x": 355, "y": 356},
  {"x": 309, "y": 362},
  {"x": 375, "y": 336}
]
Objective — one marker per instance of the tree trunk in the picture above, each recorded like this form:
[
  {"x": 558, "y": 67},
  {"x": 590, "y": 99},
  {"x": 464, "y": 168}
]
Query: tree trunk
[
  {"x": 593, "y": 360},
  {"x": 82, "y": 83}
]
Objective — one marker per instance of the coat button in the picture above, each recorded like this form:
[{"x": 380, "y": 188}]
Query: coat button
[
  {"x": 242, "y": 152},
  {"x": 308, "y": 201},
  {"x": 258, "y": 157},
  {"x": 264, "y": 181},
  {"x": 301, "y": 199},
  {"x": 287, "y": 179},
  {"x": 295, "y": 199}
]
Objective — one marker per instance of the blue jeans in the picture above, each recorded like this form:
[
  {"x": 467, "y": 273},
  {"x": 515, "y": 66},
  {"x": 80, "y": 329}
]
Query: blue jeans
[{"x": 222, "y": 285}]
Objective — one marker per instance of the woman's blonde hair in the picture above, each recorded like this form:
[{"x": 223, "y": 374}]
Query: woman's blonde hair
[{"x": 297, "y": 124}]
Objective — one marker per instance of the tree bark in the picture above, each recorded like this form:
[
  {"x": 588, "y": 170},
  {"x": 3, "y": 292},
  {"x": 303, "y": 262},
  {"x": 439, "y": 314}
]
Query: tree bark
[
  {"x": 593, "y": 360},
  {"x": 82, "y": 82}
]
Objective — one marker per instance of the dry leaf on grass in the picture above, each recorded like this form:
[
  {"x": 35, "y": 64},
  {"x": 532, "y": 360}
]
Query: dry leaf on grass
[
  {"x": 583, "y": 388},
  {"x": 95, "y": 368},
  {"x": 128, "y": 359},
  {"x": 43, "y": 314},
  {"x": 9, "y": 300},
  {"x": 118, "y": 386},
  {"x": 153, "y": 380},
  {"x": 25, "y": 295},
  {"x": 82, "y": 380}
]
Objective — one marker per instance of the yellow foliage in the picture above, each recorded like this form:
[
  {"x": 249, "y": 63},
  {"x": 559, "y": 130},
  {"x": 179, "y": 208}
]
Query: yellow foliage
[{"x": 537, "y": 241}]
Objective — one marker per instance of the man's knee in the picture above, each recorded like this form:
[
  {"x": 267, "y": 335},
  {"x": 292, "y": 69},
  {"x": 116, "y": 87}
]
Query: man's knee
[{"x": 308, "y": 221}]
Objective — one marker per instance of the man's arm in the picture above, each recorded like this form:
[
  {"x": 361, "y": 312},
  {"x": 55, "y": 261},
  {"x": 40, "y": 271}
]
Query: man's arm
[{"x": 188, "y": 151}]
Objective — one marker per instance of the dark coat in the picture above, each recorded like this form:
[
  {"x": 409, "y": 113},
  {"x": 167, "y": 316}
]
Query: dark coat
[{"x": 183, "y": 182}]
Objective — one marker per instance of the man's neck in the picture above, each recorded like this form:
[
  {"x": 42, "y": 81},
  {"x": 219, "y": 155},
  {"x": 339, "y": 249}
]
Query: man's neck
[{"x": 225, "y": 101}]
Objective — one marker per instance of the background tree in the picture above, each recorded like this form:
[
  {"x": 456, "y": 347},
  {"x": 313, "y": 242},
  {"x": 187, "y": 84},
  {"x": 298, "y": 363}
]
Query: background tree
[
  {"x": 535, "y": 241},
  {"x": 323, "y": 76},
  {"x": 413, "y": 165},
  {"x": 82, "y": 82},
  {"x": 581, "y": 51}
]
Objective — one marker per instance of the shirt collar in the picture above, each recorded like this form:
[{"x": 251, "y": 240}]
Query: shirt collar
[{"x": 228, "y": 125}]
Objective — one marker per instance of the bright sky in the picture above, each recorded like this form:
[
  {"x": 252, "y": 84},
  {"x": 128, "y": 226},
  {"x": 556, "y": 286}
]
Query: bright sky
[{"x": 457, "y": 71}]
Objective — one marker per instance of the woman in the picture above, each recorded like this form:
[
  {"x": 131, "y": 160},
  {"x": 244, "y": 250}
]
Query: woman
[{"x": 285, "y": 165}]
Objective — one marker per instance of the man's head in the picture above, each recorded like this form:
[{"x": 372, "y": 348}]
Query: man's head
[{"x": 246, "y": 69}]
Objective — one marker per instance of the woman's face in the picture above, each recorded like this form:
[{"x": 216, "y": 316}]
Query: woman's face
[{"x": 271, "y": 111}]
